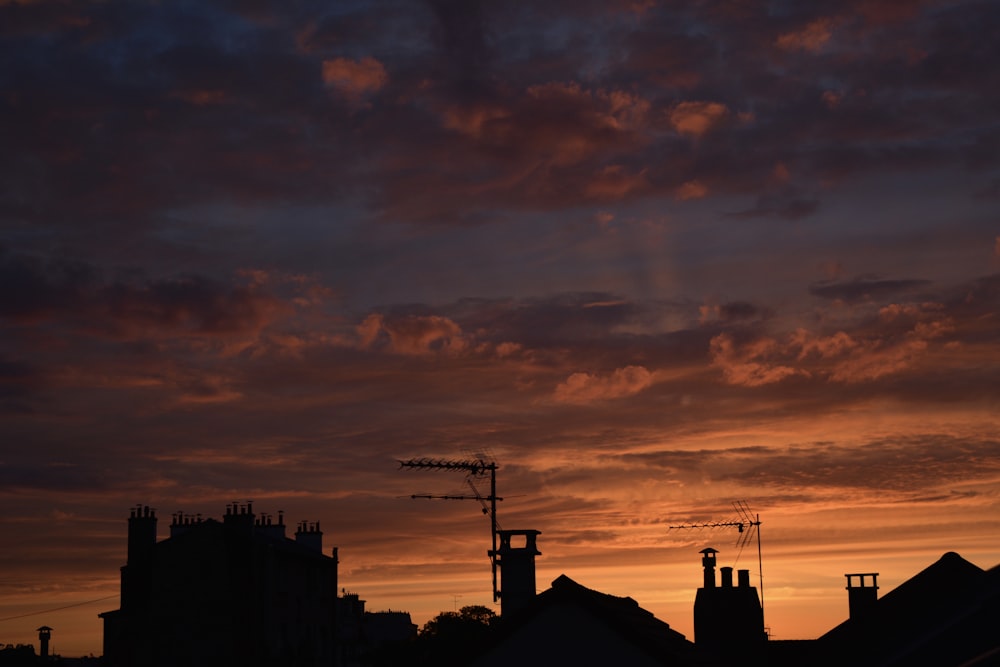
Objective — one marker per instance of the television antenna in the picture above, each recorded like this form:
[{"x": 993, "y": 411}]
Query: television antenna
[
  {"x": 478, "y": 468},
  {"x": 748, "y": 525}
]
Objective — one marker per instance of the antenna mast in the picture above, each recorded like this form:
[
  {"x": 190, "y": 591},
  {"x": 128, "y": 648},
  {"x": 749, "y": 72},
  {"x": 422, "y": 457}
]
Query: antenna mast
[
  {"x": 748, "y": 526},
  {"x": 475, "y": 469}
]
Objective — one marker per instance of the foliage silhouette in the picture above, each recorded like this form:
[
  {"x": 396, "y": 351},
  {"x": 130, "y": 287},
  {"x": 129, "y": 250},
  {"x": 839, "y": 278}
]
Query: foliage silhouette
[{"x": 452, "y": 638}]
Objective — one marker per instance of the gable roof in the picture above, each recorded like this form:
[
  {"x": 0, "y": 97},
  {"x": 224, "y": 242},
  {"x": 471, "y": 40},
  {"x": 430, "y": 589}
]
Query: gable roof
[
  {"x": 949, "y": 610},
  {"x": 624, "y": 624},
  {"x": 622, "y": 613}
]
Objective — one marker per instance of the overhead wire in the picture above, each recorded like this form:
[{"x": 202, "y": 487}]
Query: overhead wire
[{"x": 55, "y": 609}]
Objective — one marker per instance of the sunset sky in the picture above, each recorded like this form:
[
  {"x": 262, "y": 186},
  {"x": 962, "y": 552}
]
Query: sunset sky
[{"x": 652, "y": 256}]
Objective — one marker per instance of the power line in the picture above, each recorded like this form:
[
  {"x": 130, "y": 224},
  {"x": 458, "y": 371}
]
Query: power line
[{"x": 49, "y": 611}]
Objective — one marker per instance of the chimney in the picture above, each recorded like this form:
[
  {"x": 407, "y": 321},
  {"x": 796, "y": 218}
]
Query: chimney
[
  {"x": 517, "y": 566},
  {"x": 309, "y": 535},
  {"x": 727, "y": 620},
  {"x": 861, "y": 599},
  {"x": 265, "y": 524},
  {"x": 137, "y": 573},
  {"x": 44, "y": 633},
  {"x": 141, "y": 533},
  {"x": 181, "y": 523},
  {"x": 708, "y": 562},
  {"x": 239, "y": 519}
]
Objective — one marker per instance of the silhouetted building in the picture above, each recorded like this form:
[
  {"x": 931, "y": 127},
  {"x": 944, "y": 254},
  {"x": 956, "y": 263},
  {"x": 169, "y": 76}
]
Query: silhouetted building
[
  {"x": 728, "y": 619},
  {"x": 362, "y": 634},
  {"x": 236, "y": 592}
]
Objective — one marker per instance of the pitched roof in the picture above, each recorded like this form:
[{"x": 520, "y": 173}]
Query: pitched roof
[
  {"x": 621, "y": 616},
  {"x": 943, "y": 610}
]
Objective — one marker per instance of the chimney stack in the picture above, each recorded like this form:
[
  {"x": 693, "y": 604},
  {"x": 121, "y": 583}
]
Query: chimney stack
[
  {"x": 708, "y": 563},
  {"x": 44, "y": 633},
  {"x": 137, "y": 574},
  {"x": 727, "y": 619},
  {"x": 517, "y": 565},
  {"x": 309, "y": 535},
  {"x": 861, "y": 599}
]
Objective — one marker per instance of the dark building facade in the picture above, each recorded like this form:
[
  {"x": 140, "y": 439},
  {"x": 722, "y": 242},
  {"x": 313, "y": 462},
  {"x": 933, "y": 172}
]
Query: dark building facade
[{"x": 235, "y": 592}]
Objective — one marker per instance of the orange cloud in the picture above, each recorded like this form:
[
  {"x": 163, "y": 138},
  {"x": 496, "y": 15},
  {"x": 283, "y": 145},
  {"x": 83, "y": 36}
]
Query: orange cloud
[
  {"x": 824, "y": 347},
  {"x": 832, "y": 98},
  {"x": 473, "y": 120},
  {"x": 875, "y": 361},
  {"x": 208, "y": 390},
  {"x": 748, "y": 365},
  {"x": 697, "y": 118},
  {"x": 781, "y": 173},
  {"x": 811, "y": 38},
  {"x": 613, "y": 182},
  {"x": 201, "y": 97},
  {"x": 839, "y": 357},
  {"x": 565, "y": 121},
  {"x": 585, "y": 387},
  {"x": 354, "y": 78},
  {"x": 691, "y": 190},
  {"x": 415, "y": 335}
]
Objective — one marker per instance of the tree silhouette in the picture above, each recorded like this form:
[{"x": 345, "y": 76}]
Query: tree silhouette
[{"x": 451, "y": 638}]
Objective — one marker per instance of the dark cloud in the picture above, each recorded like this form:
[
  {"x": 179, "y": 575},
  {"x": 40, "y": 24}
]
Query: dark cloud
[
  {"x": 739, "y": 310},
  {"x": 463, "y": 37},
  {"x": 908, "y": 466},
  {"x": 793, "y": 209},
  {"x": 866, "y": 288},
  {"x": 77, "y": 294},
  {"x": 234, "y": 107},
  {"x": 32, "y": 288}
]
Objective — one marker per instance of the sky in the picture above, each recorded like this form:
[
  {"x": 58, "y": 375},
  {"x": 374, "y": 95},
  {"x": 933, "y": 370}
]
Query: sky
[{"x": 653, "y": 257}]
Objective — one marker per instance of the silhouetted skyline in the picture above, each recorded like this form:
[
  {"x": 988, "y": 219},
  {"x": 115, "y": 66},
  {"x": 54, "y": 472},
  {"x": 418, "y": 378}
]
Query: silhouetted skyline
[{"x": 651, "y": 256}]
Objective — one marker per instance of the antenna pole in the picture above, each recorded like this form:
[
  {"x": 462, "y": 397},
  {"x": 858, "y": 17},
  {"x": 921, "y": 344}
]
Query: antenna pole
[
  {"x": 474, "y": 468},
  {"x": 747, "y": 521},
  {"x": 493, "y": 527},
  {"x": 760, "y": 573}
]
